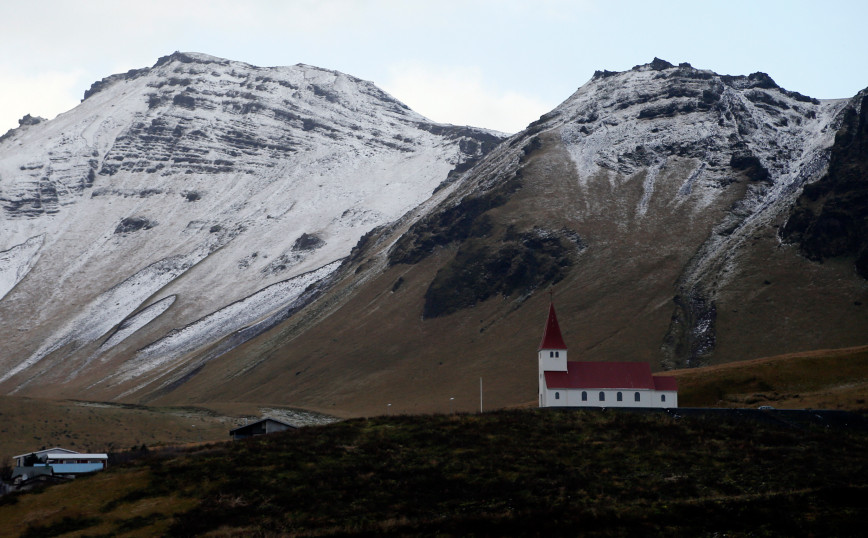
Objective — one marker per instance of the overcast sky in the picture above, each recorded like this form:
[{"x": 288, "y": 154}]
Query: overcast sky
[{"x": 496, "y": 64}]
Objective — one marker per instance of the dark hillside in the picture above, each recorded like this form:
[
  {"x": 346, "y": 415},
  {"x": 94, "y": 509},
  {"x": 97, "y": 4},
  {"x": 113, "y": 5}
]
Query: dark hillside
[
  {"x": 520, "y": 473},
  {"x": 830, "y": 218}
]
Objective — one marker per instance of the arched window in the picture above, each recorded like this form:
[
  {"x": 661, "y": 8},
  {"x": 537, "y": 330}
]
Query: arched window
[
  {"x": 584, "y": 396},
  {"x": 557, "y": 353},
  {"x": 557, "y": 396},
  {"x": 551, "y": 353},
  {"x": 636, "y": 397},
  {"x": 620, "y": 398},
  {"x": 662, "y": 397},
  {"x": 602, "y": 396}
]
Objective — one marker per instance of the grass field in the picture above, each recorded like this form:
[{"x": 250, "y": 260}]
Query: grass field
[
  {"x": 824, "y": 379},
  {"x": 29, "y": 424},
  {"x": 519, "y": 473},
  {"x": 827, "y": 379}
]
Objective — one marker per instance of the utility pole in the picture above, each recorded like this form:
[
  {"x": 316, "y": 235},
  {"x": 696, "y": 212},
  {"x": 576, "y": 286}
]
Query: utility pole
[{"x": 480, "y": 395}]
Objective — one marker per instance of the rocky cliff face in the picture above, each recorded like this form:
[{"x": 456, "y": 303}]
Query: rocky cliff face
[
  {"x": 830, "y": 218},
  {"x": 175, "y": 193}
]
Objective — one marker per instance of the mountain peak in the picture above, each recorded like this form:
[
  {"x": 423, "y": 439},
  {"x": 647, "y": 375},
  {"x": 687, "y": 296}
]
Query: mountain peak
[
  {"x": 191, "y": 57},
  {"x": 659, "y": 65}
]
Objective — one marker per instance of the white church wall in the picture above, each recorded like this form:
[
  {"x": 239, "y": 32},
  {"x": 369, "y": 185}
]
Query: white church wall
[
  {"x": 551, "y": 360},
  {"x": 573, "y": 398}
]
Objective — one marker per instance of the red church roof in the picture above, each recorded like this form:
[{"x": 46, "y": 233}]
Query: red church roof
[
  {"x": 608, "y": 375},
  {"x": 552, "y": 338},
  {"x": 665, "y": 383}
]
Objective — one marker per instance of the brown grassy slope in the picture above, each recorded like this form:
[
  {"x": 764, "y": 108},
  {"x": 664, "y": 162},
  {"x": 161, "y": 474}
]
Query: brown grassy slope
[
  {"x": 371, "y": 348},
  {"x": 822, "y": 379},
  {"x": 776, "y": 301},
  {"x": 87, "y": 504},
  {"x": 28, "y": 424},
  {"x": 375, "y": 349}
]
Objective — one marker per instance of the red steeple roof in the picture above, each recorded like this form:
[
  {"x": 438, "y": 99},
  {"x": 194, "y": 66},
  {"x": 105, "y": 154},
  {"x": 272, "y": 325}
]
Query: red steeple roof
[{"x": 552, "y": 338}]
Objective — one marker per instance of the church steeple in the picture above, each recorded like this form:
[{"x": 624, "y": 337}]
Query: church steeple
[{"x": 552, "y": 338}]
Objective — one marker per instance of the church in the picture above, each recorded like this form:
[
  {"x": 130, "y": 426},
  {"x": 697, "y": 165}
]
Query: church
[{"x": 565, "y": 383}]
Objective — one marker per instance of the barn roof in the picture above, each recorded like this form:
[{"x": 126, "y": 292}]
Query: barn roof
[
  {"x": 266, "y": 419},
  {"x": 608, "y": 375},
  {"x": 552, "y": 338},
  {"x": 76, "y": 456},
  {"x": 46, "y": 451}
]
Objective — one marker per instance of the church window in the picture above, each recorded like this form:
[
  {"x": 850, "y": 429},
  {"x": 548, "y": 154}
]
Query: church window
[
  {"x": 602, "y": 396},
  {"x": 557, "y": 396},
  {"x": 636, "y": 397},
  {"x": 662, "y": 397},
  {"x": 584, "y": 396},
  {"x": 620, "y": 398},
  {"x": 557, "y": 353},
  {"x": 551, "y": 353}
]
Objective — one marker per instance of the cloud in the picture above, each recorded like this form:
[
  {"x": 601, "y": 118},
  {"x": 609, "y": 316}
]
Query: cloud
[
  {"x": 46, "y": 94},
  {"x": 462, "y": 96}
]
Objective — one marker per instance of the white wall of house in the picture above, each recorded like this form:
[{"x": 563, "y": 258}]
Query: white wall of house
[{"x": 607, "y": 398}]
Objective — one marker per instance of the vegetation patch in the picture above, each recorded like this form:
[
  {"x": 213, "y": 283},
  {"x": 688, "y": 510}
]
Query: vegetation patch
[
  {"x": 308, "y": 241},
  {"x": 520, "y": 263},
  {"x": 459, "y": 222},
  {"x": 509, "y": 473},
  {"x": 66, "y": 525},
  {"x": 134, "y": 224}
]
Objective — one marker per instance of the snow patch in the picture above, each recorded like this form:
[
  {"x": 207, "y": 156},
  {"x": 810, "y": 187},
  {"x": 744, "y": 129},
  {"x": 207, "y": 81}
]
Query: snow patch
[
  {"x": 136, "y": 322},
  {"x": 110, "y": 308},
  {"x": 687, "y": 186},
  {"x": 648, "y": 186},
  {"x": 16, "y": 262},
  {"x": 222, "y": 322}
]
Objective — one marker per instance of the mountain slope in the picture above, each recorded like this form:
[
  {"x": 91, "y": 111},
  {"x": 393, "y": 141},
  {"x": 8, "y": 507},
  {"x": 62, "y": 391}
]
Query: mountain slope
[
  {"x": 650, "y": 200},
  {"x": 206, "y": 231},
  {"x": 180, "y": 203}
]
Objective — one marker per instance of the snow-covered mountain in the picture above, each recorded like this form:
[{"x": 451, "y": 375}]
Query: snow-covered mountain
[
  {"x": 650, "y": 203},
  {"x": 180, "y": 203},
  {"x": 209, "y": 231}
]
